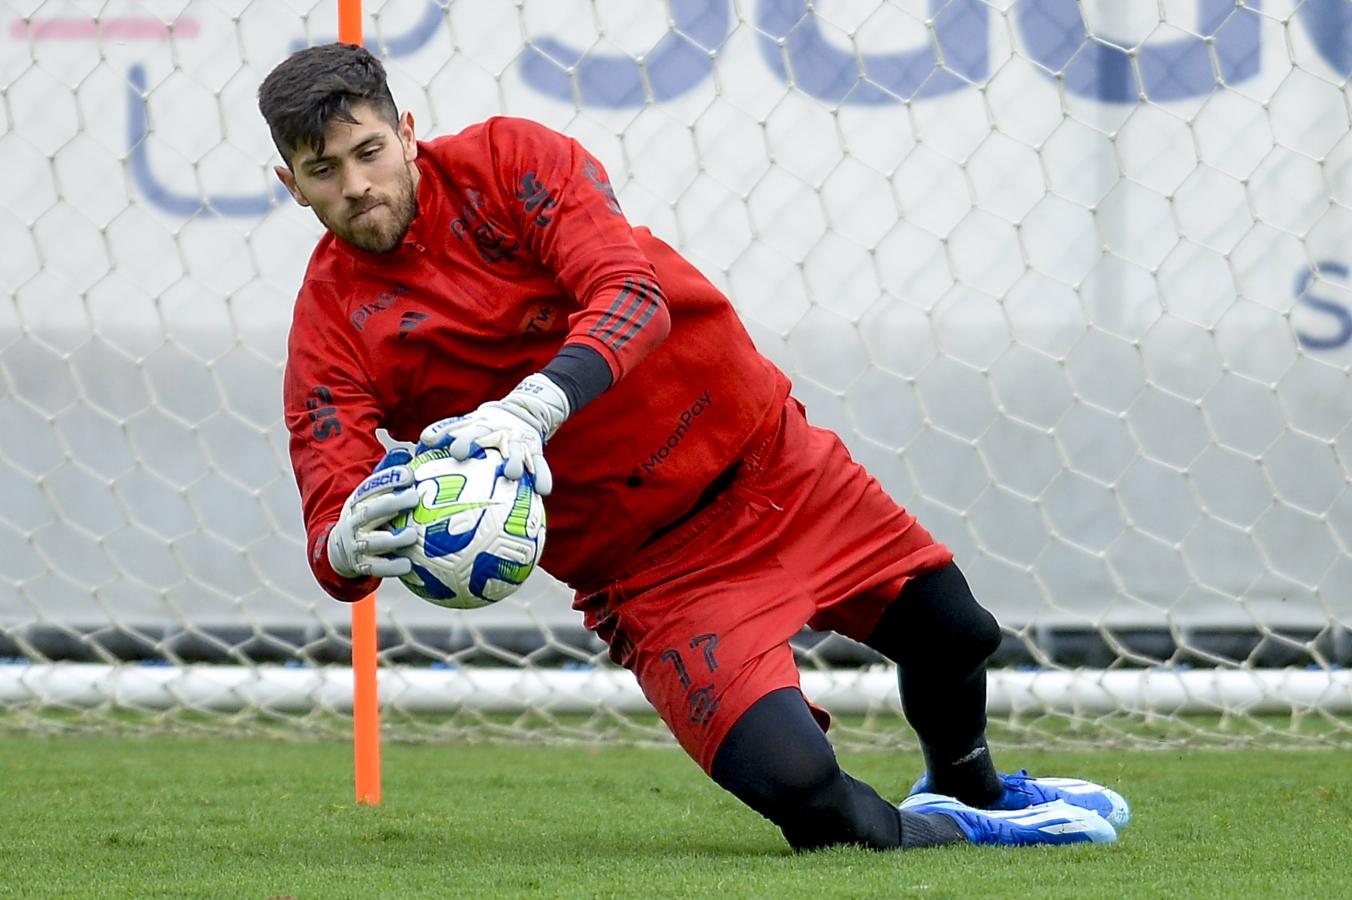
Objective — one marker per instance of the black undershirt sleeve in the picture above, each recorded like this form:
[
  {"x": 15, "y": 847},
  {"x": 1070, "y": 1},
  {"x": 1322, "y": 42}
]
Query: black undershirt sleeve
[{"x": 580, "y": 372}]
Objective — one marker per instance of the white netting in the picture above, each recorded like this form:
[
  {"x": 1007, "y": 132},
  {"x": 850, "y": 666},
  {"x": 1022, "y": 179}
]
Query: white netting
[{"x": 1071, "y": 279}]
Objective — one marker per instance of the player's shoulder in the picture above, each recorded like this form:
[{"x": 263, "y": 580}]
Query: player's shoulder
[
  {"x": 319, "y": 339},
  {"x": 328, "y": 276},
  {"x": 514, "y": 127},
  {"x": 326, "y": 269},
  {"x": 492, "y": 136}
]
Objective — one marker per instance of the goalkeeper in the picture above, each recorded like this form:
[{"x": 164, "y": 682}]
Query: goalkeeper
[{"x": 491, "y": 277}]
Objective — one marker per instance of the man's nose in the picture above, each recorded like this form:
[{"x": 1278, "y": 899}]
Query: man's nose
[{"x": 355, "y": 183}]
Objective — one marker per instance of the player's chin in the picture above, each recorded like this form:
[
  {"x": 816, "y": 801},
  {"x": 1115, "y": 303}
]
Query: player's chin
[{"x": 372, "y": 238}]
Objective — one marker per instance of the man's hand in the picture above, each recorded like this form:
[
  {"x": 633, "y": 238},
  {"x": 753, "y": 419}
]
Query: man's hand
[
  {"x": 516, "y": 426},
  {"x": 358, "y": 547}
]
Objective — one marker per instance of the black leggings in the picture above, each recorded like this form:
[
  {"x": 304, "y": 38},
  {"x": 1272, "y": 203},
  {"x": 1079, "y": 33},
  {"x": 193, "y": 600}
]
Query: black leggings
[
  {"x": 777, "y": 760},
  {"x": 940, "y": 639}
]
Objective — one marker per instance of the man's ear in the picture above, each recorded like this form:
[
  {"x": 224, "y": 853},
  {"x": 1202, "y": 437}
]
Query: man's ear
[
  {"x": 408, "y": 137},
  {"x": 288, "y": 180}
]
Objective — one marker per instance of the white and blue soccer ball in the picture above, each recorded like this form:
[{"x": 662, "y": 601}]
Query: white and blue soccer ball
[{"x": 480, "y": 534}]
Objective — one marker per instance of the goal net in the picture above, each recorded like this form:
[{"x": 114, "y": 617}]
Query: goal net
[{"x": 1072, "y": 279}]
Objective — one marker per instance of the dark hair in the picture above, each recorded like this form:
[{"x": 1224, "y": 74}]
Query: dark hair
[{"x": 318, "y": 85}]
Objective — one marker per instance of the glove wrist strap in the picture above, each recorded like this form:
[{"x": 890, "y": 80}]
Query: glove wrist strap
[{"x": 543, "y": 401}]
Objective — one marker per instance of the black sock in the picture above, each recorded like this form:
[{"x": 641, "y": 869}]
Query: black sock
[
  {"x": 929, "y": 830},
  {"x": 970, "y": 778}
]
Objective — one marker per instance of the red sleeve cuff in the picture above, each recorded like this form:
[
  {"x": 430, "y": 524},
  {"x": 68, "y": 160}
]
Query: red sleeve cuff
[{"x": 348, "y": 590}]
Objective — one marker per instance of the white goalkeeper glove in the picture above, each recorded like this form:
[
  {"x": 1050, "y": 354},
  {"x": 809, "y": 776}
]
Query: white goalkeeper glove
[
  {"x": 358, "y": 546},
  {"x": 516, "y": 426}
]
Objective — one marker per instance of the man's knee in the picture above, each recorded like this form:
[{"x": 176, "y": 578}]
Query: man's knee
[
  {"x": 936, "y": 624},
  {"x": 777, "y": 761},
  {"x": 814, "y": 803},
  {"x": 811, "y": 784},
  {"x": 775, "y": 756}
]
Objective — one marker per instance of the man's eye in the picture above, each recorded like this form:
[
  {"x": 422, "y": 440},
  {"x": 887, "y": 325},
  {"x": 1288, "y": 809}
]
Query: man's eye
[
  {"x": 322, "y": 172},
  {"x": 372, "y": 153}
]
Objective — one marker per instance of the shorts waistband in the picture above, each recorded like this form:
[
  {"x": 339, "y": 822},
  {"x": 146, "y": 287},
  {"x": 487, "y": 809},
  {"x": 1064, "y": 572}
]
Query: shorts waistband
[
  {"x": 671, "y": 539},
  {"x": 722, "y": 481}
]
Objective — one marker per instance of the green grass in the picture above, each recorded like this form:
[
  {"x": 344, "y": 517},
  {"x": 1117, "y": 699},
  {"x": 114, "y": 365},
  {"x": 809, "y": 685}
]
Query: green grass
[{"x": 191, "y": 817}]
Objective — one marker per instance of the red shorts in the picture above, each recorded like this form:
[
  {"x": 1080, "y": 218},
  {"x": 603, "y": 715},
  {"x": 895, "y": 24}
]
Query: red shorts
[{"x": 802, "y": 536}]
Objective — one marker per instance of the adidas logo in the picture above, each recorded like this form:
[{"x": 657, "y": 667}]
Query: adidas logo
[{"x": 409, "y": 321}]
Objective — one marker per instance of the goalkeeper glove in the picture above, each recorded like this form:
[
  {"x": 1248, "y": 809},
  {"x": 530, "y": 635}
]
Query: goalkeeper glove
[
  {"x": 358, "y": 547},
  {"x": 516, "y": 426}
]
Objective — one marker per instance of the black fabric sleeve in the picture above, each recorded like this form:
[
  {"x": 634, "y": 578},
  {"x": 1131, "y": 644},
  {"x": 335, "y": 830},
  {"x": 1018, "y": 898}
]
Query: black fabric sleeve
[{"x": 580, "y": 372}]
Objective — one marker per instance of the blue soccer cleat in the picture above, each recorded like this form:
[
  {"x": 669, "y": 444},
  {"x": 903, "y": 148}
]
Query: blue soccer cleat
[
  {"x": 1056, "y": 822},
  {"x": 1023, "y": 790}
]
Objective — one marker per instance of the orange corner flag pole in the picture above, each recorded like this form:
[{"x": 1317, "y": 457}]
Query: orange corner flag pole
[
  {"x": 349, "y": 21},
  {"x": 365, "y": 699}
]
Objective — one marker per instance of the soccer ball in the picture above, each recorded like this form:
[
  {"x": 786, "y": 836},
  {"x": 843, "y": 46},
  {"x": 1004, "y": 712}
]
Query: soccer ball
[{"x": 479, "y": 533}]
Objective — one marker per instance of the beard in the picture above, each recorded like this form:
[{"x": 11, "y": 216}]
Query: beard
[{"x": 377, "y": 224}]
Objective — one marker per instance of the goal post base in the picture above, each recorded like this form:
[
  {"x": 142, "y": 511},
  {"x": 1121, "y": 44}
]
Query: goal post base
[{"x": 409, "y": 691}]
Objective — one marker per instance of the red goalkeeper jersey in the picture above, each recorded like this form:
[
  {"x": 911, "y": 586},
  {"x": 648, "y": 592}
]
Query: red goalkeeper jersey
[{"x": 518, "y": 248}]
